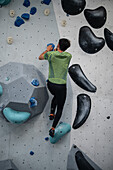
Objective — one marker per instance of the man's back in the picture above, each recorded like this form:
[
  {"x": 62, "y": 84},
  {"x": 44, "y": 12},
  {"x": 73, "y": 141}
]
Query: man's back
[{"x": 58, "y": 66}]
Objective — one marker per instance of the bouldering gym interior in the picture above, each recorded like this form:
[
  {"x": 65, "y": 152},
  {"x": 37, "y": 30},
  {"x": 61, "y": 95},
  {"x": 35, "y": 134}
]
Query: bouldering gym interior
[{"x": 83, "y": 137}]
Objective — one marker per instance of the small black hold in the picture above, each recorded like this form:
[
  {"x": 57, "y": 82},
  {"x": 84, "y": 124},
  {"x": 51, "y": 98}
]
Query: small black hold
[{"x": 108, "y": 117}]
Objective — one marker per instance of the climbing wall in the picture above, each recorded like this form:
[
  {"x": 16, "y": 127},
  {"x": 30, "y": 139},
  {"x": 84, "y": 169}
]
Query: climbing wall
[
  {"x": 95, "y": 136},
  {"x": 29, "y": 41}
]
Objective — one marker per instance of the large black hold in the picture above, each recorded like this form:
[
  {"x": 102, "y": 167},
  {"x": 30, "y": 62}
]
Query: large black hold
[
  {"x": 83, "y": 110},
  {"x": 109, "y": 38},
  {"x": 73, "y": 7},
  {"x": 96, "y": 17},
  {"x": 89, "y": 42},
  {"x": 82, "y": 163},
  {"x": 80, "y": 79}
]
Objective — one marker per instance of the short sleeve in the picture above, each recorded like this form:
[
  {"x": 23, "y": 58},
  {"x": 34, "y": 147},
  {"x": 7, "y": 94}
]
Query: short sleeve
[{"x": 46, "y": 56}]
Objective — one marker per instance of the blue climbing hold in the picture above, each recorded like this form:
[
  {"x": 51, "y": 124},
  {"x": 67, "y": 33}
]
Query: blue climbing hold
[
  {"x": 19, "y": 21},
  {"x": 33, "y": 10},
  {"x": 47, "y": 138},
  {"x": 52, "y": 46},
  {"x": 4, "y": 2},
  {"x": 1, "y": 90},
  {"x": 31, "y": 153},
  {"x": 25, "y": 16},
  {"x": 26, "y": 3},
  {"x": 14, "y": 116},
  {"x": 47, "y": 2},
  {"x": 33, "y": 102},
  {"x": 60, "y": 131},
  {"x": 35, "y": 82}
]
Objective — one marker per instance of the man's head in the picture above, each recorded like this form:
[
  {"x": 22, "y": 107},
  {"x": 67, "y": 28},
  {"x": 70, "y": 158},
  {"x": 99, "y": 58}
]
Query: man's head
[{"x": 64, "y": 44}]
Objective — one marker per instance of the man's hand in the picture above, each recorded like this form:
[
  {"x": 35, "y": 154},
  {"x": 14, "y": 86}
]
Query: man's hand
[{"x": 49, "y": 48}]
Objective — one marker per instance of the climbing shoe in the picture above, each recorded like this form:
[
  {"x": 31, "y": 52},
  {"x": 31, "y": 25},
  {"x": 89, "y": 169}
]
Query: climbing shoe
[
  {"x": 51, "y": 116},
  {"x": 52, "y": 132}
]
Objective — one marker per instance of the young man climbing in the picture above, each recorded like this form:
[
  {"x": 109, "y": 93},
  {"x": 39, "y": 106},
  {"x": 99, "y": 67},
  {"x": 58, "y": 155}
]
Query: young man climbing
[{"x": 58, "y": 67}]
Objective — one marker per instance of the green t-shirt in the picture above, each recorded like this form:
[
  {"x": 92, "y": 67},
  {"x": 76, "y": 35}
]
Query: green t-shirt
[{"x": 58, "y": 66}]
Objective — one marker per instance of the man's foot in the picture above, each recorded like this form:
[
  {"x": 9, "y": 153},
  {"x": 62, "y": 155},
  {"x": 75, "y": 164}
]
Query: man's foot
[
  {"x": 51, "y": 116},
  {"x": 52, "y": 132}
]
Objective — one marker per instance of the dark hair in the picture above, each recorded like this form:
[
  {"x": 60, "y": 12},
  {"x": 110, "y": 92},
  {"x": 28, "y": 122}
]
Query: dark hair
[{"x": 64, "y": 44}]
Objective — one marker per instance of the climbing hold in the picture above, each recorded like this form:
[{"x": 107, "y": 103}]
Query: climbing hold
[
  {"x": 26, "y": 3},
  {"x": 62, "y": 127},
  {"x": 89, "y": 42},
  {"x": 80, "y": 79},
  {"x": 97, "y": 17},
  {"x": 25, "y": 16},
  {"x": 83, "y": 110},
  {"x": 35, "y": 82},
  {"x": 82, "y": 163},
  {"x": 63, "y": 23},
  {"x": 108, "y": 117},
  {"x": 33, "y": 10},
  {"x": 73, "y": 7},
  {"x": 33, "y": 102},
  {"x": 19, "y": 21},
  {"x": 1, "y": 90},
  {"x": 78, "y": 160},
  {"x": 12, "y": 13},
  {"x": 47, "y": 138},
  {"x": 14, "y": 116},
  {"x": 53, "y": 46},
  {"x": 109, "y": 38},
  {"x": 9, "y": 40},
  {"x": 7, "y": 79},
  {"x": 47, "y": 2},
  {"x": 4, "y": 2},
  {"x": 46, "y": 12},
  {"x": 31, "y": 153}
]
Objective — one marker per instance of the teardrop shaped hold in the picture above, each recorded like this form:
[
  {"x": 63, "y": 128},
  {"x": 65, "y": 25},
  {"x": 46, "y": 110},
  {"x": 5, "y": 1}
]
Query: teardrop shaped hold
[
  {"x": 83, "y": 110},
  {"x": 73, "y": 7},
  {"x": 109, "y": 38},
  {"x": 82, "y": 163},
  {"x": 89, "y": 42},
  {"x": 80, "y": 79},
  {"x": 14, "y": 116},
  {"x": 96, "y": 17}
]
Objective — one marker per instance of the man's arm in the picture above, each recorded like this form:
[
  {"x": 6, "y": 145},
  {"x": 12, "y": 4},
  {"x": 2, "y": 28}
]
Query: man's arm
[
  {"x": 41, "y": 57},
  {"x": 49, "y": 48}
]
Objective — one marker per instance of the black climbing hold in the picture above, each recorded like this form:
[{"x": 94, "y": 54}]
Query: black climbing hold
[
  {"x": 108, "y": 117},
  {"x": 80, "y": 79},
  {"x": 19, "y": 21},
  {"x": 73, "y": 7},
  {"x": 25, "y": 16},
  {"x": 82, "y": 163},
  {"x": 109, "y": 38},
  {"x": 83, "y": 110},
  {"x": 89, "y": 42},
  {"x": 33, "y": 10},
  {"x": 26, "y": 3},
  {"x": 96, "y": 17}
]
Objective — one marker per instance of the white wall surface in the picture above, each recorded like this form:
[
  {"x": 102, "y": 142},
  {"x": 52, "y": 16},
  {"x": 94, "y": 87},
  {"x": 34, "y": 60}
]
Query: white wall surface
[{"x": 95, "y": 136}]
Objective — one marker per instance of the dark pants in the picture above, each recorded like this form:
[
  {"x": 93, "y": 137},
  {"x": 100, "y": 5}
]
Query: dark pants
[{"x": 59, "y": 93}]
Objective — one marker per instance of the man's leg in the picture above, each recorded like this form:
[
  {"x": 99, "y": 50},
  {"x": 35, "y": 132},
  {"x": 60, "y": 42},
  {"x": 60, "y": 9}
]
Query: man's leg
[
  {"x": 60, "y": 98},
  {"x": 53, "y": 107}
]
